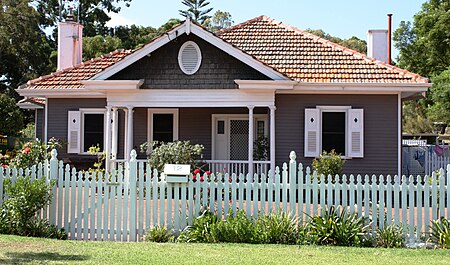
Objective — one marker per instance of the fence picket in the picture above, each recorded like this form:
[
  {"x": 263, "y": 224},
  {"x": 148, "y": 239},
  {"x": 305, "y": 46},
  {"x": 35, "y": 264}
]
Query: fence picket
[{"x": 119, "y": 205}]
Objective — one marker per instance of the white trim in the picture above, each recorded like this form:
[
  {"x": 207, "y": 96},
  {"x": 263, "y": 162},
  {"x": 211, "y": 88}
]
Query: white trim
[
  {"x": 334, "y": 109},
  {"x": 150, "y": 113},
  {"x": 46, "y": 121},
  {"x": 180, "y": 57},
  {"x": 35, "y": 123},
  {"x": 399, "y": 124},
  {"x": 84, "y": 111},
  {"x": 60, "y": 93},
  {"x": 201, "y": 33},
  {"x": 108, "y": 85},
  {"x": 227, "y": 117},
  {"x": 177, "y": 98},
  {"x": 272, "y": 137},
  {"x": 265, "y": 84}
]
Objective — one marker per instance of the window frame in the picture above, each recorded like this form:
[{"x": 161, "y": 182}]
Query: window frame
[
  {"x": 83, "y": 112},
  {"x": 180, "y": 57},
  {"x": 175, "y": 130},
  {"x": 334, "y": 109}
]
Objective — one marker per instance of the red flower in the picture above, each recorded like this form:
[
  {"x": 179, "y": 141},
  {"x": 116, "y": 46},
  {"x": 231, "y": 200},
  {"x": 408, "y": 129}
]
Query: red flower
[
  {"x": 194, "y": 177},
  {"x": 202, "y": 178},
  {"x": 208, "y": 173},
  {"x": 196, "y": 171},
  {"x": 5, "y": 166},
  {"x": 230, "y": 180},
  {"x": 26, "y": 150}
]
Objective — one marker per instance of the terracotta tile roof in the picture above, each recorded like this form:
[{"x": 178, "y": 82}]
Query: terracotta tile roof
[
  {"x": 305, "y": 57},
  {"x": 70, "y": 77},
  {"x": 295, "y": 53},
  {"x": 32, "y": 101}
]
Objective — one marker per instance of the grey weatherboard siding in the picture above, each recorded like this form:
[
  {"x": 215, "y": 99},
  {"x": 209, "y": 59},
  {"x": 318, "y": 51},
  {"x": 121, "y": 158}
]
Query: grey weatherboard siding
[
  {"x": 40, "y": 117},
  {"x": 57, "y": 119},
  {"x": 218, "y": 70},
  {"x": 380, "y": 129}
]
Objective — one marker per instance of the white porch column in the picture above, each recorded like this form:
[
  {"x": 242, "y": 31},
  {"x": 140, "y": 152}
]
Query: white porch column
[
  {"x": 129, "y": 131},
  {"x": 250, "y": 140},
  {"x": 272, "y": 137},
  {"x": 114, "y": 136},
  {"x": 108, "y": 138}
]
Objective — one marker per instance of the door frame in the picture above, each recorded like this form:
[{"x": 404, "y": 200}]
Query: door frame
[{"x": 227, "y": 118}]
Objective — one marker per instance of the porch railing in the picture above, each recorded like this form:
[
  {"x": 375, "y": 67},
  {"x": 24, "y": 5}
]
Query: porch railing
[
  {"x": 222, "y": 166},
  {"x": 237, "y": 166}
]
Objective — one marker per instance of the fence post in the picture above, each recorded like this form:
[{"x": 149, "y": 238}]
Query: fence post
[
  {"x": 292, "y": 182},
  {"x": 53, "y": 176},
  {"x": 132, "y": 178}
]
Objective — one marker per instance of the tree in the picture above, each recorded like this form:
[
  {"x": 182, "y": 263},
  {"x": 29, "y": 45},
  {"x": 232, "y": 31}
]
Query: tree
[
  {"x": 219, "y": 20},
  {"x": 195, "y": 11},
  {"x": 353, "y": 42},
  {"x": 134, "y": 36},
  {"x": 439, "y": 95},
  {"x": 99, "y": 45},
  {"x": 424, "y": 48},
  {"x": 11, "y": 121},
  {"x": 414, "y": 118},
  {"x": 93, "y": 14},
  {"x": 24, "y": 47},
  {"x": 424, "y": 45}
]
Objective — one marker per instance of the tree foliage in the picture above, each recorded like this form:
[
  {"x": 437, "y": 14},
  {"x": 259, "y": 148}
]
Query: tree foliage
[
  {"x": 353, "y": 42},
  {"x": 220, "y": 20},
  {"x": 197, "y": 10},
  {"x": 11, "y": 119},
  {"x": 24, "y": 48},
  {"x": 424, "y": 45},
  {"x": 424, "y": 48},
  {"x": 93, "y": 14}
]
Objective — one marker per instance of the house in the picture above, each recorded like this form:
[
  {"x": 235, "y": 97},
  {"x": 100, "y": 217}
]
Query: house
[{"x": 260, "y": 78}]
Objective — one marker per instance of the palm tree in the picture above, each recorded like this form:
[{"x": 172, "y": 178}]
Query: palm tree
[{"x": 194, "y": 10}]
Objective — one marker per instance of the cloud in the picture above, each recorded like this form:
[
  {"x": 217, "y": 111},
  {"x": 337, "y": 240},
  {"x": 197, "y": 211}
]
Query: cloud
[{"x": 119, "y": 20}]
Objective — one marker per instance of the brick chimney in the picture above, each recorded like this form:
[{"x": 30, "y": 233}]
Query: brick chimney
[
  {"x": 70, "y": 43},
  {"x": 377, "y": 44}
]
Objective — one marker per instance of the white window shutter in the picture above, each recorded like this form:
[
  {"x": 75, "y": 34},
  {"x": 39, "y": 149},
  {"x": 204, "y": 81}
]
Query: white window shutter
[
  {"x": 312, "y": 132},
  {"x": 355, "y": 128},
  {"x": 73, "y": 132}
]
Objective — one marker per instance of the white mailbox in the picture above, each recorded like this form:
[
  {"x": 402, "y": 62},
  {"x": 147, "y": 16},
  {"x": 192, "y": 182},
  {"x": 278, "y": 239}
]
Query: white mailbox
[{"x": 177, "y": 173}]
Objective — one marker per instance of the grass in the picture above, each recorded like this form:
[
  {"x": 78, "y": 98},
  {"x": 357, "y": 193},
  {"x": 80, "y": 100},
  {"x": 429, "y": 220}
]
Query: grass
[{"x": 22, "y": 250}]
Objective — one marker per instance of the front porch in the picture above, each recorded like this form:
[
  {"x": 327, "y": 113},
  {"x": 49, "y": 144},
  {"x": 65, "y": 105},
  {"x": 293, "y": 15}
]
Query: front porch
[{"x": 227, "y": 133}]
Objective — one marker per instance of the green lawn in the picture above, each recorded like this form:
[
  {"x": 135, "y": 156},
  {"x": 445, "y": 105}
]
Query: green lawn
[{"x": 20, "y": 250}]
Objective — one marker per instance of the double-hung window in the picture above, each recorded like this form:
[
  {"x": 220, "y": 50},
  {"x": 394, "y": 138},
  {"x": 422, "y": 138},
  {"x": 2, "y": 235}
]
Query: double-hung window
[
  {"x": 338, "y": 128},
  {"x": 86, "y": 128}
]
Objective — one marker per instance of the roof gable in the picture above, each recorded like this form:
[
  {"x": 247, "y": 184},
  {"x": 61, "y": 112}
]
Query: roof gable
[{"x": 188, "y": 27}]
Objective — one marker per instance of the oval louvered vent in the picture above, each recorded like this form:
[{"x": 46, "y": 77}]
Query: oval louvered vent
[{"x": 189, "y": 57}]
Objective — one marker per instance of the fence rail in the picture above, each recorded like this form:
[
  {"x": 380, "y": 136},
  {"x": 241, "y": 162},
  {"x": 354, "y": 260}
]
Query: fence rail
[{"x": 121, "y": 204}]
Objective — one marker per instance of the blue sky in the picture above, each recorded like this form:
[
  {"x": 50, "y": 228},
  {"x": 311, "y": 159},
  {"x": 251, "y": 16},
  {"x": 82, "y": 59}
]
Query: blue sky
[{"x": 340, "y": 18}]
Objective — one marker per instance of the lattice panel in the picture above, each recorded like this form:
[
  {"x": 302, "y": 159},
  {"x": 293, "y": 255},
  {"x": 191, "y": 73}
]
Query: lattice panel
[{"x": 239, "y": 139}]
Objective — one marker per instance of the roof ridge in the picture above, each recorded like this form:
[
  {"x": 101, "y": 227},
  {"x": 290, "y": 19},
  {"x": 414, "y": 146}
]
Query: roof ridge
[
  {"x": 344, "y": 49},
  {"x": 67, "y": 69},
  {"x": 240, "y": 24}
]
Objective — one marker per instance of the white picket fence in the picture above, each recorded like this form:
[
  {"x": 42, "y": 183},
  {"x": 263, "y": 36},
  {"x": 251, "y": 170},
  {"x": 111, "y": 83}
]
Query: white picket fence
[{"x": 122, "y": 204}]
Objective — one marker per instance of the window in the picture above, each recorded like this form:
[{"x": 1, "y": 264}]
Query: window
[
  {"x": 93, "y": 131},
  {"x": 162, "y": 125},
  {"x": 189, "y": 58},
  {"x": 334, "y": 127},
  {"x": 86, "y": 128}
]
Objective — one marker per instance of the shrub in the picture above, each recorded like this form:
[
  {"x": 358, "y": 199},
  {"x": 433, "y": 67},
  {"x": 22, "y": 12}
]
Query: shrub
[
  {"x": 34, "y": 152},
  {"x": 328, "y": 164},
  {"x": 101, "y": 157},
  {"x": 440, "y": 232},
  {"x": 201, "y": 230},
  {"x": 237, "y": 228},
  {"x": 178, "y": 152},
  {"x": 337, "y": 229},
  {"x": 159, "y": 234},
  {"x": 4, "y": 160},
  {"x": 25, "y": 199},
  {"x": 391, "y": 236},
  {"x": 278, "y": 228}
]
